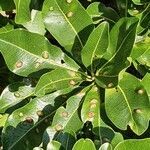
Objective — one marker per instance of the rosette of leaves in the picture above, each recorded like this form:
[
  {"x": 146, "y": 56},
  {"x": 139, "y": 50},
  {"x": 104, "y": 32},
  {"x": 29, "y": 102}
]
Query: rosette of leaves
[{"x": 67, "y": 69}]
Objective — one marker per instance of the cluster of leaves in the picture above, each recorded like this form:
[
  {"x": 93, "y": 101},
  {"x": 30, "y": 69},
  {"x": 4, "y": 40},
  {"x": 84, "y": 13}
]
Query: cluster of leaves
[{"x": 74, "y": 74}]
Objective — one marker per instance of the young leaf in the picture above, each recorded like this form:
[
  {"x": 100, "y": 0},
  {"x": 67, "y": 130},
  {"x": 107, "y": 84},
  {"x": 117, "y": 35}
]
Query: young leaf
[
  {"x": 26, "y": 53},
  {"x": 134, "y": 144},
  {"x": 22, "y": 11},
  {"x": 68, "y": 22},
  {"x": 96, "y": 45},
  {"x": 84, "y": 144},
  {"x": 129, "y": 103},
  {"x": 32, "y": 119},
  {"x": 122, "y": 38},
  {"x": 13, "y": 94},
  {"x": 52, "y": 81}
]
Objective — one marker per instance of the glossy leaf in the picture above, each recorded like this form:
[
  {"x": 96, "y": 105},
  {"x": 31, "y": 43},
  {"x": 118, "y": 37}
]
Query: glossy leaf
[
  {"x": 66, "y": 118},
  {"x": 145, "y": 19},
  {"x": 51, "y": 81},
  {"x": 66, "y": 121},
  {"x": 140, "y": 47},
  {"x": 84, "y": 144},
  {"x": 134, "y": 144},
  {"x": 6, "y": 28},
  {"x": 13, "y": 94},
  {"x": 53, "y": 145},
  {"x": 22, "y": 11},
  {"x": 100, "y": 12},
  {"x": 129, "y": 103},
  {"x": 38, "y": 148},
  {"x": 3, "y": 119},
  {"x": 26, "y": 121},
  {"x": 36, "y": 24},
  {"x": 26, "y": 53},
  {"x": 62, "y": 18},
  {"x": 96, "y": 45},
  {"x": 144, "y": 59},
  {"x": 91, "y": 112},
  {"x": 106, "y": 146},
  {"x": 91, "y": 109},
  {"x": 122, "y": 38},
  {"x": 146, "y": 83}
]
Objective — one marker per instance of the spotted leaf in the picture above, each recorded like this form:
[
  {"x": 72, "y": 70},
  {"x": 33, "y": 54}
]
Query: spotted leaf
[
  {"x": 52, "y": 81},
  {"x": 13, "y": 94},
  {"x": 61, "y": 18},
  {"x": 26, "y": 53},
  {"x": 129, "y": 103},
  {"x": 32, "y": 119}
]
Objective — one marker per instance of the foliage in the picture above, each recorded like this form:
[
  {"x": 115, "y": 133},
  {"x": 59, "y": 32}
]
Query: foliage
[{"x": 74, "y": 74}]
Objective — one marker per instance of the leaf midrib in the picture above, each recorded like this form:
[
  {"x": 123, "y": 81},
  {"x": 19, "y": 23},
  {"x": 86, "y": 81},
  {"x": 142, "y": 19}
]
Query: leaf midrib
[
  {"x": 126, "y": 100},
  {"x": 116, "y": 51},
  {"x": 51, "y": 62},
  {"x": 69, "y": 24},
  {"x": 96, "y": 47},
  {"x": 53, "y": 82}
]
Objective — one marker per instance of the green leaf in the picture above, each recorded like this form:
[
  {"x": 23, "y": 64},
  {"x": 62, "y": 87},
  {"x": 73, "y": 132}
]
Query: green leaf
[
  {"x": 66, "y": 120},
  {"x": 145, "y": 19},
  {"x": 36, "y": 24},
  {"x": 68, "y": 22},
  {"x": 3, "y": 119},
  {"x": 146, "y": 83},
  {"x": 26, "y": 53},
  {"x": 122, "y": 38},
  {"x": 106, "y": 146},
  {"x": 91, "y": 109},
  {"x": 129, "y": 103},
  {"x": 52, "y": 81},
  {"x": 6, "y": 28},
  {"x": 84, "y": 144},
  {"x": 7, "y": 5},
  {"x": 134, "y": 144},
  {"x": 54, "y": 145},
  {"x": 100, "y": 12},
  {"x": 67, "y": 139},
  {"x": 25, "y": 126},
  {"x": 13, "y": 94},
  {"x": 140, "y": 2},
  {"x": 38, "y": 148},
  {"x": 144, "y": 58},
  {"x": 140, "y": 47},
  {"x": 96, "y": 45},
  {"x": 91, "y": 112},
  {"x": 22, "y": 11}
]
